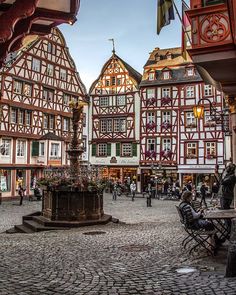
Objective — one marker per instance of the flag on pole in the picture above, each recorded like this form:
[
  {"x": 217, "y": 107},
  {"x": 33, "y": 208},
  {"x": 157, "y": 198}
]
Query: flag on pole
[
  {"x": 186, "y": 30},
  {"x": 165, "y": 13}
]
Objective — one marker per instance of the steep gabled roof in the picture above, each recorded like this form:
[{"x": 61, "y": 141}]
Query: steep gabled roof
[{"x": 132, "y": 72}]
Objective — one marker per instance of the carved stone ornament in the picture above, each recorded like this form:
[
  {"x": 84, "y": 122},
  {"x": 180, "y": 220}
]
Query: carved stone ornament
[
  {"x": 214, "y": 28},
  {"x": 232, "y": 104}
]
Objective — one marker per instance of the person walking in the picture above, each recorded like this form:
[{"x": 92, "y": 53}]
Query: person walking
[
  {"x": 133, "y": 189},
  {"x": 214, "y": 191},
  {"x": 149, "y": 195},
  {"x": 114, "y": 191},
  {"x": 21, "y": 193},
  {"x": 203, "y": 190}
]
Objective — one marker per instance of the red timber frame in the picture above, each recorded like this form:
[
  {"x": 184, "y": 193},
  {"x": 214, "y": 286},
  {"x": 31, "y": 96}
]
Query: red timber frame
[{"x": 46, "y": 50}]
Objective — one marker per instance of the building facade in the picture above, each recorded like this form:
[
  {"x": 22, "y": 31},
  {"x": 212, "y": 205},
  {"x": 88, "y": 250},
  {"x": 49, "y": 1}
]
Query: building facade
[
  {"x": 114, "y": 113},
  {"x": 37, "y": 84},
  {"x": 173, "y": 143}
]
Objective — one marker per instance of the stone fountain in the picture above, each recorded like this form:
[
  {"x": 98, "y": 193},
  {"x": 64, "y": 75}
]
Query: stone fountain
[{"x": 74, "y": 204}]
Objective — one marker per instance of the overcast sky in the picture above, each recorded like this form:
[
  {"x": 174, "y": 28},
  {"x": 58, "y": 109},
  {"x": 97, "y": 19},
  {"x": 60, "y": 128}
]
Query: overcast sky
[{"x": 132, "y": 23}]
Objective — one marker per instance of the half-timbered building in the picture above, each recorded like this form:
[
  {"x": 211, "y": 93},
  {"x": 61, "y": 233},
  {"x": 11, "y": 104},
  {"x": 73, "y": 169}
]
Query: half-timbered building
[
  {"x": 37, "y": 84},
  {"x": 114, "y": 112},
  {"x": 173, "y": 142}
]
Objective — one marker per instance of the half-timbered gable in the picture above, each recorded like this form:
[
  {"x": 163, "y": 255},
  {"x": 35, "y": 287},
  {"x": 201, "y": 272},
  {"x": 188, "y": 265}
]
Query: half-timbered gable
[
  {"x": 37, "y": 84},
  {"x": 170, "y": 87},
  {"x": 115, "y": 118}
]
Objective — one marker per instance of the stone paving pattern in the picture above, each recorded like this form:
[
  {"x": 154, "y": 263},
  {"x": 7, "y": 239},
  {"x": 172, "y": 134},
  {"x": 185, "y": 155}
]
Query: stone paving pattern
[{"x": 140, "y": 255}]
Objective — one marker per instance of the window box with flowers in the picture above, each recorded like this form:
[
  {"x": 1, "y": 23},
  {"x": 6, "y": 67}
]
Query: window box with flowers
[
  {"x": 191, "y": 156},
  {"x": 151, "y": 101},
  {"x": 165, "y": 100},
  {"x": 166, "y": 154},
  {"x": 150, "y": 154},
  {"x": 151, "y": 126},
  {"x": 191, "y": 125},
  {"x": 166, "y": 125},
  {"x": 210, "y": 124},
  {"x": 210, "y": 156}
]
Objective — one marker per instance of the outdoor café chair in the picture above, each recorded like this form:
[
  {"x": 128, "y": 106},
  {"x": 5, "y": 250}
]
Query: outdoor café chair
[{"x": 200, "y": 238}]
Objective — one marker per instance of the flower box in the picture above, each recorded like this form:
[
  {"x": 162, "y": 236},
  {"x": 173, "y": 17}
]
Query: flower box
[
  {"x": 166, "y": 154},
  {"x": 211, "y": 156},
  {"x": 151, "y": 101},
  {"x": 151, "y": 125},
  {"x": 191, "y": 156},
  {"x": 165, "y": 100},
  {"x": 166, "y": 125},
  {"x": 191, "y": 126}
]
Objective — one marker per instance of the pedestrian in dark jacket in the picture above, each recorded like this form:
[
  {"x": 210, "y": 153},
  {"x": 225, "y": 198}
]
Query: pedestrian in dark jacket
[
  {"x": 203, "y": 190},
  {"x": 228, "y": 183},
  {"x": 21, "y": 193}
]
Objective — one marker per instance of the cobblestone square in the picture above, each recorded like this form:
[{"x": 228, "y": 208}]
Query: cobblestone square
[{"x": 139, "y": 255}]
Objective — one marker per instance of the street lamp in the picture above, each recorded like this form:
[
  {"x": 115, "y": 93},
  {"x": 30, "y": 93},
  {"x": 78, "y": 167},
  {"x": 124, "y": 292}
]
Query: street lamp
[{"x": 199, "y": 109}]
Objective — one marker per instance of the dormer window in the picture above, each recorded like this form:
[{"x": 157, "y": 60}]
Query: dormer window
[
  {"x": 151, "y": 76},
  {"x": 190, "y": 72},
  {"x": 166, "y": 75},
  {"x": 169, "y": 56}
]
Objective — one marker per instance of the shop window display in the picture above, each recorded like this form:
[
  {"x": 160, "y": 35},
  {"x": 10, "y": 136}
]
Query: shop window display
[{"x": 5, "y": 180}]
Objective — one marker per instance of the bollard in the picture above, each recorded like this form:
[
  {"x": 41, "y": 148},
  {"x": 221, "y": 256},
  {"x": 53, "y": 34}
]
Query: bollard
[
  {"x": 231, "y": 257},
  {"x": 0, "y": 198}
]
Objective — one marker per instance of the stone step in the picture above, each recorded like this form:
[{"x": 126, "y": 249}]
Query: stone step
[
  {"x": 11, "y": 231},
  {"x": 23, "y": 229},
  {"x": 36, "y": 227},
  {"x": 30, "y": 216}
]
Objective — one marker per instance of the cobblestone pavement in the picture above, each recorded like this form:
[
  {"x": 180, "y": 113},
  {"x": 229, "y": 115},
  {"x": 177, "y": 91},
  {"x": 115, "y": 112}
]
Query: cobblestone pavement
[{"x": 138, "y": 256}]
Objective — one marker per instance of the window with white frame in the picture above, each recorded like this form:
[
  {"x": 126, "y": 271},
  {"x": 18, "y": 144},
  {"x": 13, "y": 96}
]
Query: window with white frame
[
  {"x": 27, "y": 89},
  {"x": 13, "y": 116},
  {"x": 190, "y": 72},
  {"x": 36, "y": 65},
  {"x": 208, "y": 90},
  {"x": 190, "y": 119},
  {"x": 66, "y": 123},
  {"x": 17, "y": 88},
  {"x": 51, "y": 122},
  {"x": 126, "y": 149},
  {"x": 120, "y": 100},
  {"x": 41, "y": 149},
  {"x": 166, "y": 75},
  {"x": 51, "y": 48},
  {"x": 20, "y": 116},
  {"x": 165, "y": 92},
  {"x": 107, "y": 82},
  {"x": 151, "y": 93},
  {"x": 192, "y": 149},
  {"x": 210, "y": 148},
  {"x": 55, "y": 149},
  {"x": 208, "y": 118},
  {"x": 102, "y": 149},
  {"x": 66, "y": 98},
  {"x": 63, "y": 74},
  {"x": 151, "y": 144},
  {"x": 105, "y": 125},
  {"x": 20, "y": 148},
  {"x": 104, "y": 101},
  {"x": 113, "y": 81},
  {"x": 166, "y": 116},
  {"x": 6, "y": 147},
  {"x": 45, "y": 121},
  {"x": 119, "y": 125},
  {"x": 151, "y": 117},
  {"x": 27, "y": 117},
  {"x": 48, "y": 94},
  {"x": 50, "y": 70},
  {"x": 190, "y": 91},
  {"x": 151, "y": 76},
  {"x": 166, "y": 144}
]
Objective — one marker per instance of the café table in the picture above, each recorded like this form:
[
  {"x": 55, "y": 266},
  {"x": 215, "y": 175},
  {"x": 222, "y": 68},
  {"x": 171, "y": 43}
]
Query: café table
[{"x": 221, "y": 220}]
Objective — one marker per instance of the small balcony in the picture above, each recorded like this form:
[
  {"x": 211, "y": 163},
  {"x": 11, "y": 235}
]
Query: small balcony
[{"x": 213, "y": 42}]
